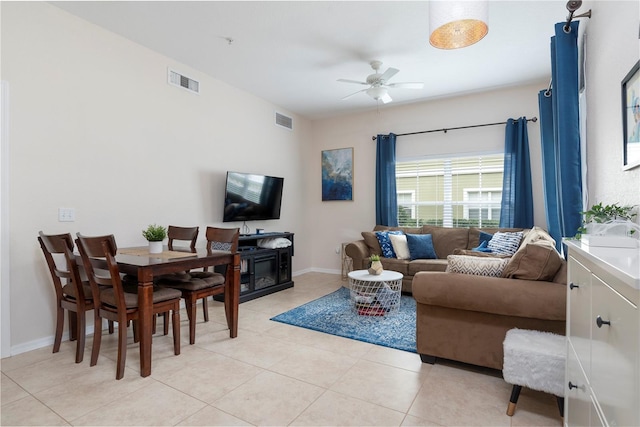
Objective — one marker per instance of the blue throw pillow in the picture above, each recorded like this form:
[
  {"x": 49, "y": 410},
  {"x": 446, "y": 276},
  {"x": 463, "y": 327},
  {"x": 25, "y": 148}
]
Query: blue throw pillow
[
  {"x": 421, "y": 246},
  {"x": 484, "y": 237},
  {"x": 482, "y": 247},
  {"x": 385, "y": 243}
]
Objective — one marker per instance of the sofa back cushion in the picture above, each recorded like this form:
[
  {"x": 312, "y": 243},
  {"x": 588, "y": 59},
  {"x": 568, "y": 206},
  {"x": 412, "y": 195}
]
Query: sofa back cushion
[
  {"x": 446, "y": 239},
  {"x": 534, "y": 262}
]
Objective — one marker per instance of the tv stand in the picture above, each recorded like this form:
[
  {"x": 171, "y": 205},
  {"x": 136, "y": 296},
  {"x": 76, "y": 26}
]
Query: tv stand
[{"x": 263, "y": 271}]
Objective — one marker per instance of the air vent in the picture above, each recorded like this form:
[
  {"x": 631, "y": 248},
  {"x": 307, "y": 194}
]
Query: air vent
[
  {"x": 284, "y": 121},
  {"x": 184, "y": 82}
]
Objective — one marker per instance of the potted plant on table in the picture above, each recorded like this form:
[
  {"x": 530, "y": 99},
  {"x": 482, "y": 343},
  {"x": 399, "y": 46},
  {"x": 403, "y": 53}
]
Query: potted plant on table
[
  {"x": 155, "y": 234},
  {"x": 376, "y": 265}
]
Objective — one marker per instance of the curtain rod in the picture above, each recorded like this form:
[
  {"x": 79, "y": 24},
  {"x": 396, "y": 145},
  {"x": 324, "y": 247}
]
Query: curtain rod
[{"x": 533, "y": 119}]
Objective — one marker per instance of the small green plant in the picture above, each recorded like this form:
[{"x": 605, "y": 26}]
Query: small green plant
[
  {"x": 374, "y": 258},
  {"x": 155, "y": 233},
  {"x": 601, "y": 214}
]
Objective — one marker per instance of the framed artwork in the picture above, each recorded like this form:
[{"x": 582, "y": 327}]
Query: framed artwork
[
  {"x": 337, "y": 174},
  {"x": 631, "y": 118}
]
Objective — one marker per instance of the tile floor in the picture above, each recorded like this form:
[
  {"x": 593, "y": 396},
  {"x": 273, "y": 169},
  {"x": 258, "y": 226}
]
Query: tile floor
[{"x": 271, "y": 374}]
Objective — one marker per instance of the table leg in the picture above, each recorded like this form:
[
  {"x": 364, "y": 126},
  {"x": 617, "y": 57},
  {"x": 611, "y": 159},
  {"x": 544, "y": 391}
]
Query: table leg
[
  {"x": 145, "y": 319},
  {"x": 232, "y": 295}
]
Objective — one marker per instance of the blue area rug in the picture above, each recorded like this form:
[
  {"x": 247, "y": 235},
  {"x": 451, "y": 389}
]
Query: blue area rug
[{"x": 334, "y": 314}]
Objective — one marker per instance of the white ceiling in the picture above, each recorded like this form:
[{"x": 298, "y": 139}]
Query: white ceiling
[{"x": 292, "y": 52}]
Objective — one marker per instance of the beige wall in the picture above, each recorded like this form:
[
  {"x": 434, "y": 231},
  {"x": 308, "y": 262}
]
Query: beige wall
[
  {"x": 612, "y": 48},
  {"x": 96, "y": 127},
  {"x": 337, "y": 222}
]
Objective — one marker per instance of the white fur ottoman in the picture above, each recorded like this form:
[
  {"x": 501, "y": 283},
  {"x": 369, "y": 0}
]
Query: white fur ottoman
[{"x": 535, "y": 360}]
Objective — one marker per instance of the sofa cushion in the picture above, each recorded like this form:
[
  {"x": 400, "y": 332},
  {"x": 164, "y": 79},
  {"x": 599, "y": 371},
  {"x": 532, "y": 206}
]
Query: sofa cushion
[
  {"x": 506, "y": 243},
  {"x": 372, "y": 242},
  {"x": 421, "y": 246},
  {"x": 395, "y": 264},
  {"x": 400, "y": 246},
  {"x": 385, "y": 243},
  {"x": 536, "y": 261},
  {"x": 478, "y": 266},
  {"x": 446, "y": 239},
  {"x": 419, "y": 265}
]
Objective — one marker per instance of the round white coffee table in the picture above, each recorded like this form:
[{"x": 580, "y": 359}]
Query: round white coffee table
[{"x": 375, "y": 295}]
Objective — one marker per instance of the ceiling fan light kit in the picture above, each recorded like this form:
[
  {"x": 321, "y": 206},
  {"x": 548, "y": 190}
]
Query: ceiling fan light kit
[
  {"x": 457, "y": 24},
  {"x": 378, "y": 83}
]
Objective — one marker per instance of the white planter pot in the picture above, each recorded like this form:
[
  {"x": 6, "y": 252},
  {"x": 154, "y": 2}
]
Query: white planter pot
[{"x": 155, "y": 247}]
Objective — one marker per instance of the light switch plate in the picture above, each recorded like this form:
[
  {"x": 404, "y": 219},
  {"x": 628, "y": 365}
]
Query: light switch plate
[{"x": 66, "y": 214}]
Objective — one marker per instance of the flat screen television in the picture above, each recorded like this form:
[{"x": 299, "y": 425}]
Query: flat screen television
[{"x": 252, "y": 197}]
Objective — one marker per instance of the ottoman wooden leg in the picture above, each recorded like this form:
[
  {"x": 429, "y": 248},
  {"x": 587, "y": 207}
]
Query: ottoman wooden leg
[
  {"x": 515, "y": 393},
  {"x": 560, "y": 401}
]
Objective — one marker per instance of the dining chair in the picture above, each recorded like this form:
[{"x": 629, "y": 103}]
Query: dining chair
[
  {"x": 72, "y": 293},
  {"x": 189, "y": 234},
  {"x": 117, "y": 303},
  {"x": 201, "y": 285}
]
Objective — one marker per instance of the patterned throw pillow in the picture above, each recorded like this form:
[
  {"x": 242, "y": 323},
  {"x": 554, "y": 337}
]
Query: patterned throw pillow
[
  {"x": 220, "y": 246},
  {"x": 385, "y": 243},
  {"x": 478, "y": 266},
  {"x": 505, "y": 243}
]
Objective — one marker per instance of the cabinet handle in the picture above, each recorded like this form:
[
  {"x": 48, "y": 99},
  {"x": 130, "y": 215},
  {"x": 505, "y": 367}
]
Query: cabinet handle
[
  {"x": 571, "y": 286},
  {"x": 601, "y": 322},
  {"x": 571, "y": 385}
]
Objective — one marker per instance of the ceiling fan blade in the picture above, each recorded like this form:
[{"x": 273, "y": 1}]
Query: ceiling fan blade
[
  {"x": 407, "y": 85},
  {"x": 388, "y": 74},
  {"x": 354, "y": 93},
  {"x": 353, "y": 81},
  {"x": 386, "y": 98}
]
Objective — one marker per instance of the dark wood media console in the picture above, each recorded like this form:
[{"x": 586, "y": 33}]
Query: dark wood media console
[{"x": 263, "y": 271}]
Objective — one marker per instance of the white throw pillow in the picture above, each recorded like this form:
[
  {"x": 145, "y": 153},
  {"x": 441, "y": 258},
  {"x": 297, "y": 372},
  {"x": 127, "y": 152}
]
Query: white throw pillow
[
  {"x": 478, "y": 266},
  {"x": 400, "y": 246}
]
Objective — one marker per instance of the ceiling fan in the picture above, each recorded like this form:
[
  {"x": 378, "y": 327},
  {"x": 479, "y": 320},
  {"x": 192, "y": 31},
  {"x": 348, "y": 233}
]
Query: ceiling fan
[{"x": 378, "y": 86}]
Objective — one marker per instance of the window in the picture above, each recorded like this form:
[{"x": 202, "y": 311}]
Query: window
[{"x": 451, "y": 192}]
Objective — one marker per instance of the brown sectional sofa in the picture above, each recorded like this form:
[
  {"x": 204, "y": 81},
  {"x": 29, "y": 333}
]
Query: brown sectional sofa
[
  {"x": 445, "y": 242},
  {"x": 465, "y": 317}
]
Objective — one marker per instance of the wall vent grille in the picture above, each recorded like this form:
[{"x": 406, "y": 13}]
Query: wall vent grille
[
  {"x": 284, "y": 121},
  {"x": 177, "y": 79}
]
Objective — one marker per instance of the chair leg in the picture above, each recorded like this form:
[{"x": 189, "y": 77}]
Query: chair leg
[
  {"x": 175, "y": 316},
  {"x": 122, "y": 350},
  {"x": 515, "y": 393},
  {"x": 205, "y": 308},
  {"x": 73, "y": 325},
  {"x": 155, "y": 321},
  {"x": 165, "y": 316},
  {"x": 191, "y": 314},
  {"x": 136, "y": 332},
  {"x": 560, "y": 401},
  {"x": 97, "y": 337},
  {"x": 81, "y": 321},
  {"x": 59, "y": 328},
  {"x": 111, "y": 329}
]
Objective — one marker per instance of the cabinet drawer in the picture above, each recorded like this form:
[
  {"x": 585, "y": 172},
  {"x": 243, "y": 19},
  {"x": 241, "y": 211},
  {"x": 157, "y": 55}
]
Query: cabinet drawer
[
  {"x": 579, "y": 311},
  {"x": 614, "y": 355},
  {"x": 578, "y": 404}
]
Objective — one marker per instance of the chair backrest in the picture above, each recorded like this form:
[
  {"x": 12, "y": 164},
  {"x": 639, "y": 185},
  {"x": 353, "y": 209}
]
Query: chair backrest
[
  {"x": 183, "y": 233},
  {"x": 96, "y": 249},
  {"x": 61, "y": 245},
  {"x": 223, "y": 239}
]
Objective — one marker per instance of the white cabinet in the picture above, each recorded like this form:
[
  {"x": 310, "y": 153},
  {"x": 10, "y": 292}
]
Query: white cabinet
[{"x": 603, "y": 330}]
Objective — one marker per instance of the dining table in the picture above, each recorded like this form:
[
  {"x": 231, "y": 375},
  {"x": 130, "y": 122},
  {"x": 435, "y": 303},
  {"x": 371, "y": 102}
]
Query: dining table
[{"x": 138, "y": 261}]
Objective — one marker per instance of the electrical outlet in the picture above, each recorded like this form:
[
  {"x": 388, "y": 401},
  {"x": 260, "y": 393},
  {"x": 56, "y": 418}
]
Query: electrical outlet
[{"x": 66, "y": 214}]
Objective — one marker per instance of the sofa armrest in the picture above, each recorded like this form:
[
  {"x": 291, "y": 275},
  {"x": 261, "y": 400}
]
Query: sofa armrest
[
  {"x": 508, "y": 297},
  {"x": 359, "y": 253}
]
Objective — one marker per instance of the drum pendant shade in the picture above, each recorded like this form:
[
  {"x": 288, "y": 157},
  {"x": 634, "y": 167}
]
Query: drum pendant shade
[{"x": 456, "y": 24}]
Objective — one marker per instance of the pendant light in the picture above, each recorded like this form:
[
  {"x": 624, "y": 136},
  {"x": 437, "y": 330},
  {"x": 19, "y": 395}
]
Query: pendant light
[{"x": 456, "y": 24}]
